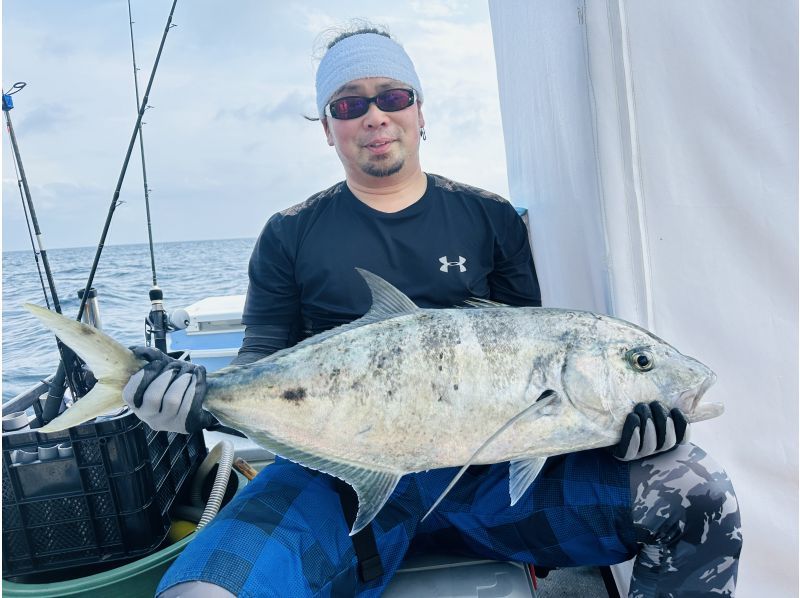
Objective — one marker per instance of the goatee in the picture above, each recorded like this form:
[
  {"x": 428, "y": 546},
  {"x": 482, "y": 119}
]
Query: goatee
[{"x": 380, "y": 170}]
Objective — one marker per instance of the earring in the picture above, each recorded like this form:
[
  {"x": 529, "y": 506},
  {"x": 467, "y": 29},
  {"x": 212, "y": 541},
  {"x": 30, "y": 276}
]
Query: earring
[{"x": 422, "y": 133}]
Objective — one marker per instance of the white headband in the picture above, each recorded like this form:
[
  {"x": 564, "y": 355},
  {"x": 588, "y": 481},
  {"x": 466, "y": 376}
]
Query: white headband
[{"x": 360, "y": 56}]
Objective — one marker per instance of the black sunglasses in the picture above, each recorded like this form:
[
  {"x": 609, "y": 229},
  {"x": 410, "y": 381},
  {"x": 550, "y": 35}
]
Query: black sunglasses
[{"x": 390, "y": 100}]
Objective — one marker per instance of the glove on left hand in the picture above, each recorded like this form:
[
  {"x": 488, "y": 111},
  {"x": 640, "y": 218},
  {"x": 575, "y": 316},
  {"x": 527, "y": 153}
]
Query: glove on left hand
[
  {"x": 650, "y": 429},
  {"x": 167, "y": 393}
]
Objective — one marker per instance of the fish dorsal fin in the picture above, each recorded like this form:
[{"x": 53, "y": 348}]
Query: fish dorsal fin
[
  {"x": 372, "y": 486},
  {"x": 387, "y": 302},
  {"x": 483, "y": 303},
  {"x": 521, "y": 475},
  {"x": 545, "y": 400}
]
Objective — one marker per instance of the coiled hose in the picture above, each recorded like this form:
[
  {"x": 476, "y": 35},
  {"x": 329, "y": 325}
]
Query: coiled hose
[{"x": 222, "y": 453}]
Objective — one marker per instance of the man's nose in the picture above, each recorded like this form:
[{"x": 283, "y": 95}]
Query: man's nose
[{"x": 375, "y": 117}]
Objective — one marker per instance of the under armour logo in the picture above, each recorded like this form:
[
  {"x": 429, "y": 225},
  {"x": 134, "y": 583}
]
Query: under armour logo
[{"x": 446, "y": 265}]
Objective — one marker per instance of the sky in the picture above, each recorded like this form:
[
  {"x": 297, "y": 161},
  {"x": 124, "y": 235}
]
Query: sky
[{"x": 225, "y": 142}]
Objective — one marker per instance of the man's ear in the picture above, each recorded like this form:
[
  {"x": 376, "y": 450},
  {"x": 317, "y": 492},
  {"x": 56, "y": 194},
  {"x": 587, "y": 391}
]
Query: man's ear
[
  {"x": 327, "y": 129},
  {"x": 421, "y": 117}
]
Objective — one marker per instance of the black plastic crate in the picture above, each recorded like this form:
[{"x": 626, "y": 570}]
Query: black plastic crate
[{"x": 108, "y": 501}]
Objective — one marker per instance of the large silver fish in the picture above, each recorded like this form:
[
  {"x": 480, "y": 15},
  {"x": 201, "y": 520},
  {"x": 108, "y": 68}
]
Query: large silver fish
[{"x": 405, "y": 389}]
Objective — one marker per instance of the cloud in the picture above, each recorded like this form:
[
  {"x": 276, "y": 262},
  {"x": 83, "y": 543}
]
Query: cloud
[
  {"x": 437, "y": 9},
  {"x": 226, "y": 139},
  {"x": 58, "y": 48},
  {"x": 292, "y": 106},
  {"x": 45, "y": 118}
]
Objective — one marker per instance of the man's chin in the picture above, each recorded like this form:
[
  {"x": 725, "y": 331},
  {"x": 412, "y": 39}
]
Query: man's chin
[{"x": 382, "y": 170}]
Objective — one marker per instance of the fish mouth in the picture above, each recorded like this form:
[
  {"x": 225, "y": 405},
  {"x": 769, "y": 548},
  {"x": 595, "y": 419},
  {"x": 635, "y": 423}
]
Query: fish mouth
[{"x": 689, "y": 401}]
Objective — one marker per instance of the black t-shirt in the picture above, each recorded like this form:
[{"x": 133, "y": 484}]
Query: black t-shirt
[{"x": 456, "y": 242}]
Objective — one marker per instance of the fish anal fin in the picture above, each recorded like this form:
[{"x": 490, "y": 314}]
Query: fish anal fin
[
  {"x": 541, "y": 406},
  {"x": 373, "y": 489},
  {"x": 373, "y": 486},
  {"x": 521, "y": 475}
]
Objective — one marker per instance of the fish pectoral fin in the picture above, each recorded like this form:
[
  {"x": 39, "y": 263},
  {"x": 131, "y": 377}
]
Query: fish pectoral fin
[
  {"x": 545, "y": 400},
  {"x": 521, "y": 475}
]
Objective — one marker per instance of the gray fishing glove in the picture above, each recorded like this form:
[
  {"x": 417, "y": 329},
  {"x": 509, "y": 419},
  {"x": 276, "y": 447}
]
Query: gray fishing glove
[
  {"x": 651, "y": 429},
  {"x": 167, "y": 394}
]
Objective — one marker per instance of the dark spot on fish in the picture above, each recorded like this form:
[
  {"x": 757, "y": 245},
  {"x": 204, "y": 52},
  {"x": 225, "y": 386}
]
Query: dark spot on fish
[
  {"x": 397, "y": 350},
  {"x": 455, "y": 386},
  {"x": 441, "y": 355},
  {"x": 441, "y": 398},
  {"x": 390, "y": 393},
  {"x": 335, "y": 372},
  {"x": 225, "y": 398},
  {"x": 294, "y": 395},
  {"x": 440, "y": 368}
]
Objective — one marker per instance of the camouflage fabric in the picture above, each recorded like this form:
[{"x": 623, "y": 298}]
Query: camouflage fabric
[{"x": 687, "y": 524}]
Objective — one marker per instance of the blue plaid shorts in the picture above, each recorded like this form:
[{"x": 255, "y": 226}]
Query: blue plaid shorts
[{"x": 285, "y": 534}]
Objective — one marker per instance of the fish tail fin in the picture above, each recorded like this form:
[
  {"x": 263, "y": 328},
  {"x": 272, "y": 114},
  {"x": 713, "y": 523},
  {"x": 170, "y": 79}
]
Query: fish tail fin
[{"x": 111, "y": 363}]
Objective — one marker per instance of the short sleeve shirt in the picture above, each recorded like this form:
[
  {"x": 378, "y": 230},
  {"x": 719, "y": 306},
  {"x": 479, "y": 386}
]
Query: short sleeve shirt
[{"x": 454, "y": 243}]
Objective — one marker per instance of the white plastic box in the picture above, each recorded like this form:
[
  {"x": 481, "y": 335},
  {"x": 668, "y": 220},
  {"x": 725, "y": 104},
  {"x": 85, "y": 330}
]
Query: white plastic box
[{"x": 214, "y": 333}]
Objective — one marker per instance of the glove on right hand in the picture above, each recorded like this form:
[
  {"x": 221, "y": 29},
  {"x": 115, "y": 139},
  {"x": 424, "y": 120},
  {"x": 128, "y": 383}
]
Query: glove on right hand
[
  {"x": 167, "y": 393},
  {"x": 651, "y": 429}
]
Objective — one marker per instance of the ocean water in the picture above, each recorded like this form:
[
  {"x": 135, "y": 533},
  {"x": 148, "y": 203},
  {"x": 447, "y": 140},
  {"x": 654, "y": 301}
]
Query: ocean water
[{"x": 186, "y": 271}]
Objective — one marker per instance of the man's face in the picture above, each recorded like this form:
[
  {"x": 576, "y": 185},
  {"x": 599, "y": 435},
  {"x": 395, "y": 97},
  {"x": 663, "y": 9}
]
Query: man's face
[{"x": 377, "y": 144}]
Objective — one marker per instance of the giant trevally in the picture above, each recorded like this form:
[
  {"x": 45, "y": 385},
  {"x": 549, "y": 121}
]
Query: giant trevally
[{"x": 405, "y": 389}]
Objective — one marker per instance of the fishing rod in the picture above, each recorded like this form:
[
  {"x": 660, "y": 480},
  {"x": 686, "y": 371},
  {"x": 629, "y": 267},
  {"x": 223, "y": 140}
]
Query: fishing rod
[
  {"x": 115, "y": 198},
  {"x": 157, "y": 322},
  {"x": 8, "y": 104},
  {"x": 76, "y": 379},
  {"x": 69, "y": 361},
  {"x": 141, "y": 148}
]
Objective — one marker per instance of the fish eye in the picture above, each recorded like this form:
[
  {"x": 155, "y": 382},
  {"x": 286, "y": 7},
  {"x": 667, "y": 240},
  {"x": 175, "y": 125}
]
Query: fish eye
[{"x": 641, "y": 360}]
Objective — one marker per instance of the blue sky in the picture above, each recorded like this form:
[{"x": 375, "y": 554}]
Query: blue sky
[{"x": 226, "y": 145}]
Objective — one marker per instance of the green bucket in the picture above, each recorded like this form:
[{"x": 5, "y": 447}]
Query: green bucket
[{"x": 138, "y": 579}]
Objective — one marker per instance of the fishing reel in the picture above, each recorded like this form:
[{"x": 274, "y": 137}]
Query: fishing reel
[{"x": 158, "y": 322}]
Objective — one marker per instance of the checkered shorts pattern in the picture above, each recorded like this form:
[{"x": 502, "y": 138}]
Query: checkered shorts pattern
[{"x": 285, "y": 533}]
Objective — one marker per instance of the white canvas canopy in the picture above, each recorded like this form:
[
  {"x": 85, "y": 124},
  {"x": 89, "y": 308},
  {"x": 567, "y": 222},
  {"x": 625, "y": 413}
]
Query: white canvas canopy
[{"x": 655, "y": 146}]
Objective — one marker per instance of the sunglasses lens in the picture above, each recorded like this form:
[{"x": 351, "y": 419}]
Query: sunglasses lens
[
  {"x": 346, "y": 108},
  {"x": 390, "y": 100},
  {"x": 393, "y": 100}
]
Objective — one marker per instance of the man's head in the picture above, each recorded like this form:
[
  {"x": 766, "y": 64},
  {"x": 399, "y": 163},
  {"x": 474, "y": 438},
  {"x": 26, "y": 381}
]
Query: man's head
[
  {"x": 368, "y": 98},
  {"x": 361, "y": 55}
]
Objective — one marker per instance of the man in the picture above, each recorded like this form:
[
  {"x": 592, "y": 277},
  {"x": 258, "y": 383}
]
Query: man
[{"x": 440, "y": 242}]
